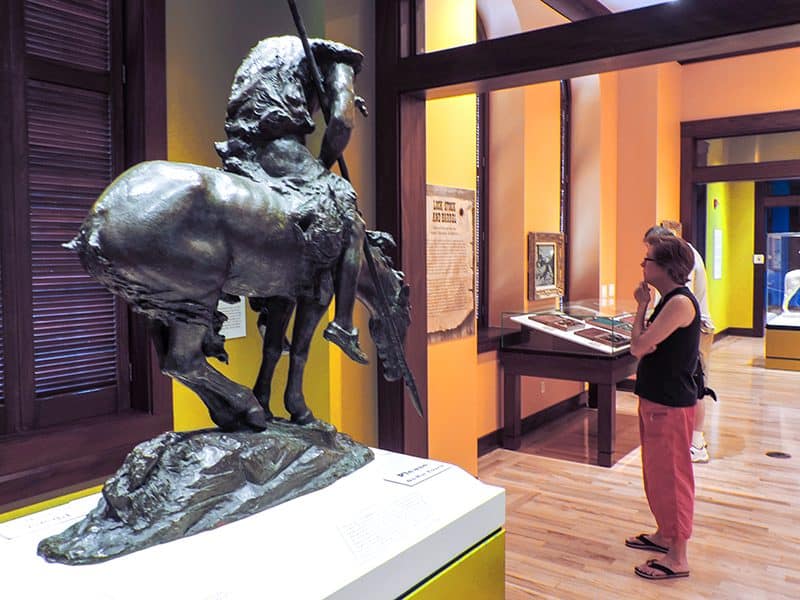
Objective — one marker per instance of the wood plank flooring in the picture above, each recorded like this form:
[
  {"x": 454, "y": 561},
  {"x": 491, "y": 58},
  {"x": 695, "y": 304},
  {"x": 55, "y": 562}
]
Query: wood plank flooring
[{"x": 566, "y": 518}]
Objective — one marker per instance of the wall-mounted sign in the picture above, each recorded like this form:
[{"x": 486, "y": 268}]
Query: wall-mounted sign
[
  {"x": 717, "y": 254},
  {"x": 236, "y": 325},
  {"x": 450, "y": 262}
]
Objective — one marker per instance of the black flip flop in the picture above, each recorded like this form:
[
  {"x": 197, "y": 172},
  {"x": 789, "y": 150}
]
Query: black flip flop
[
  {"x": 644, "y": 543},
  {"x": 666, "y": 572}
]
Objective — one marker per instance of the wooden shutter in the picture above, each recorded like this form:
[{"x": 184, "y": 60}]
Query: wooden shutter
[
  {"x": 75, "y": 32},
  {"x": 65, "y": 353},
  {"x": 2, "y": 356},
  {"x": 79, "y": 348},
  {"x": 69, "y": 165}
]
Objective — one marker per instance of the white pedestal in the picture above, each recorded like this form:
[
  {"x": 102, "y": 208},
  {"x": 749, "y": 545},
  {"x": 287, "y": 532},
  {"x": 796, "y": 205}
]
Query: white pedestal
[{"x": 362, "y": 537}]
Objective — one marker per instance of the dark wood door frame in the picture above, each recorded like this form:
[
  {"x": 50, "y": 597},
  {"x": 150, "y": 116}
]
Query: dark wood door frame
[
  {"x": 692, "y": 175},
  {"x": 665, "y": 32}
]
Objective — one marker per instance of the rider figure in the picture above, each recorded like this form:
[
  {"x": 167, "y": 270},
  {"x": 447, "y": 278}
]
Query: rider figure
[{"x": 269, "y": 115}]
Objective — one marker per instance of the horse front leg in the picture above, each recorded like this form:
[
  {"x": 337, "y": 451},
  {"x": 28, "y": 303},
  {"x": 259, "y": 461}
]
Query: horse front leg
[
  {"x": 306, "y": 319},
  {"x": 274, "y": 314}
]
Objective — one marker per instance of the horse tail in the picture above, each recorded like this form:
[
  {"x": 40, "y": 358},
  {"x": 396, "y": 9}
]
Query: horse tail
[{"x": 86, "y": 246}]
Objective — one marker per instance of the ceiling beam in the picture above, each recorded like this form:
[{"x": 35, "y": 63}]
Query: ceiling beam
[
  {"x": 577, "y": 10},
  {"x": 661, "y": 33}
]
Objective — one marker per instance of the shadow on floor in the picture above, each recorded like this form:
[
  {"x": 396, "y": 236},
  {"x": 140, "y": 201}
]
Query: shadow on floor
[{"x": 573, "y": 437}]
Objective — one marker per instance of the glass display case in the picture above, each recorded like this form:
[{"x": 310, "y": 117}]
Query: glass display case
[
  {"x": 587, "y": 327},
  {"x": 783, "y": 279}
]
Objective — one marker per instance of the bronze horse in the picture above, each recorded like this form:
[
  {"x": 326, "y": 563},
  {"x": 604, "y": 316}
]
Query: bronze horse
[{"x": 172, "y": 239}]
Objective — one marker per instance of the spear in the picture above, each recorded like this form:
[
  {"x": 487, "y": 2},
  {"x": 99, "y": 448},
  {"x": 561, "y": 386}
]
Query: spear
[{"x": 316, "y": 77}]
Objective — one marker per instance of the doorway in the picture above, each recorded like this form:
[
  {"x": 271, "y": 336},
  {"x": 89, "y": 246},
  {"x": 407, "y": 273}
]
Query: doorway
[{"x": 738, "y": 152}]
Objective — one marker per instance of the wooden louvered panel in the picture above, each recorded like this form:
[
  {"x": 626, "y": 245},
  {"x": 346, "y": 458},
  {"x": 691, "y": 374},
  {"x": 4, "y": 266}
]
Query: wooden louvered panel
[
  {"x": 2, "y": 347},
  {"x": 77, "y": 33},
  {"x": 69, "y": 165}
]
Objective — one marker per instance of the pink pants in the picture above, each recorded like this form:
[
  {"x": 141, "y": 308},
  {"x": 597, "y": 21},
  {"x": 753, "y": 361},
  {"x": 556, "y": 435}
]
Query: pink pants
[{"x": 666, "y": 434}]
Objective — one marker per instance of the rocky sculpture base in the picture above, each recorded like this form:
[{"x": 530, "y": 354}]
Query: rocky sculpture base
[{"x": 179, "y": 484}]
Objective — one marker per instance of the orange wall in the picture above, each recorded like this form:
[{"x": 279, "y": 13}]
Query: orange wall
[
  {"x": 489, "y": 414},
  {"x": 586, "y": 189},
  {"x": 609, "y": 142},
  {"x": 668, "y": 150},
  {"x": 507, "y": 279},
  {"x": 637, "y": 171},
  {"x": 450, "y": 156},
  {"x": 542, "y": 126},
  {"x": 542, "y": 185},
  {"x": 741, "y": 85}
]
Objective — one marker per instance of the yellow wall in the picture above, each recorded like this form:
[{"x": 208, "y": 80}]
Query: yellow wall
[
  {"x": 717, "y": 217},
  {"x": 352, "y": 22},
  {"x": 450, "y": 152},
  {"x": 201, "y": 61},
  {"x": 206, "y": 42},
  {"x": 731, "y": 296},
  {"x": 740, "y": 253}
]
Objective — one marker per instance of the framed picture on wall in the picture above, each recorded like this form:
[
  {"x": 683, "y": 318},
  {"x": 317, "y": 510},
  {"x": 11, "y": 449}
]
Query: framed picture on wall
[{"x": 545, "y": 265}]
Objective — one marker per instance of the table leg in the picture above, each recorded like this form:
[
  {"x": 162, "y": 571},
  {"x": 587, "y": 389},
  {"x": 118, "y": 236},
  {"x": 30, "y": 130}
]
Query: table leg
[
  {"x": 592, "y": 396},
  {"x": 512, "y": 420},
  {"x": 606, "y": 423}
]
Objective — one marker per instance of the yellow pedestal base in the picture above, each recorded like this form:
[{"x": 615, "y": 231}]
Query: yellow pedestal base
[
  {"x": 479, "y": 574},
  {"x": 782, "y": 349}
]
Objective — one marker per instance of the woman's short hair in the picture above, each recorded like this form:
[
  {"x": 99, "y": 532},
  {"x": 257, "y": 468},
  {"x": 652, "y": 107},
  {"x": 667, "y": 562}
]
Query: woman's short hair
[
  {"x": 674, "y": 255},
  {"x": 656, "y": 231}
]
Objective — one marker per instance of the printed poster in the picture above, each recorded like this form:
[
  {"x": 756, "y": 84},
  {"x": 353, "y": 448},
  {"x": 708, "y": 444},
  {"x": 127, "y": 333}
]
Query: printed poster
[{"x": 450, "y": 262}]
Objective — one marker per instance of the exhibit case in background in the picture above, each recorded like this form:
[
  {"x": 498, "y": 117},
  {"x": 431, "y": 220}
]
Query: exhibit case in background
[
  {"x": 588, "y": 327},
  {"x": 782, "y": 336}
]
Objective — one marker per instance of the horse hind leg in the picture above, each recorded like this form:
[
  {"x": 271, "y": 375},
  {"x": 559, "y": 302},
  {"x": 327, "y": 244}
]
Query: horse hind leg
[
  {"x": 274, "y": 314},
  {"x": 306, "y": 319},
  {"x": 230, "y": 405}
]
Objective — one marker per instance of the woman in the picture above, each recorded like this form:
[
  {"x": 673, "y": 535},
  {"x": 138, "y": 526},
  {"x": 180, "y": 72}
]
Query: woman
[{"x": 667, "y": 346}]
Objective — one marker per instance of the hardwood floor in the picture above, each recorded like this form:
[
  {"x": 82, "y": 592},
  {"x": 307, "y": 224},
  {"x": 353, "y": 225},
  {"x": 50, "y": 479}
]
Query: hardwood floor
[{"x": 566, "y": 519}]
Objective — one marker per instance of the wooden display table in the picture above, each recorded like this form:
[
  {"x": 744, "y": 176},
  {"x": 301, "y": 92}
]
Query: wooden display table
[{"x": 602, "y": 372}]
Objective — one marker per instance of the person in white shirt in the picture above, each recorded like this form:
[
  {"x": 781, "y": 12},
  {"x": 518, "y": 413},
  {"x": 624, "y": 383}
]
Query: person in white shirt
[{"x": 698, "y": 284}]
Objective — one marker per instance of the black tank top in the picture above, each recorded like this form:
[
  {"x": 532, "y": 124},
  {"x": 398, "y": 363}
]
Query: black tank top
[{"x": 665, "y": 375}]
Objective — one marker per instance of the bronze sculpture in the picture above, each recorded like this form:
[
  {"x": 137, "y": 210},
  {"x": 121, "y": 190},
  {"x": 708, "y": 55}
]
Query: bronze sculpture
[{"x": 278, "y": 227}]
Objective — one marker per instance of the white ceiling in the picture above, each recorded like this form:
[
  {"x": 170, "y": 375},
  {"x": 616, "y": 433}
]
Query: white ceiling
[{"x": 620, "y": 5}]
